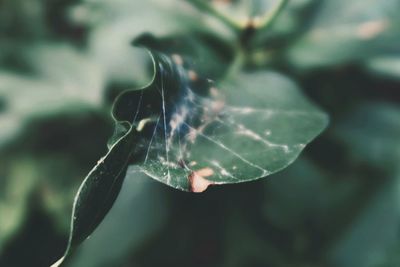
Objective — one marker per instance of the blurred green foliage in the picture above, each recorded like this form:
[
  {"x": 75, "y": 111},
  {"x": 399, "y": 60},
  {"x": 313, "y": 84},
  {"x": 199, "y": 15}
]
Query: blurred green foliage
[{"x": 62, "y": 63}]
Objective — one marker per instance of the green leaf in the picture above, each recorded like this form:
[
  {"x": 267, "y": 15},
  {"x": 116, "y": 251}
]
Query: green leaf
[
  {"x": 378, "y": 221},
  {"x": 75, "y": 84},
  {"x": 139, "y": 212},
  {"x": 101, "y": 187},
  {"x": 195, "y": 133},
  {"x": 18, "y": 183},
  {"x": 99, "y": 190},
  {"x": 196, "y": 49},
  {"x": 186, "y": 132},
  {"x": 239, "y": 13},
  {"x": 372, "y": 134},
  {"x": 347, "y": 31},
  {"x": 386, "y": 66},
  {"x": 109, "y": 40}
]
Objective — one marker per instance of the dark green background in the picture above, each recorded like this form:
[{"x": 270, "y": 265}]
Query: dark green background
[{"x": 62, "y": 62}]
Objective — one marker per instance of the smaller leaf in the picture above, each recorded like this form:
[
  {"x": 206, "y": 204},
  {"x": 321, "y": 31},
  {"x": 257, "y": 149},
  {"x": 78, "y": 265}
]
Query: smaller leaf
[{"x": 98, "y": 191}]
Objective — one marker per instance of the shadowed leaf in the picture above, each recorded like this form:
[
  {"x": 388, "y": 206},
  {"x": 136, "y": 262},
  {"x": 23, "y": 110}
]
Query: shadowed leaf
[{"x": 98, "y": 191}]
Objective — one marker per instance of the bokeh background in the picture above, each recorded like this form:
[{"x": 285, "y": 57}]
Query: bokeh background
[{"x": 62, "y": 62}]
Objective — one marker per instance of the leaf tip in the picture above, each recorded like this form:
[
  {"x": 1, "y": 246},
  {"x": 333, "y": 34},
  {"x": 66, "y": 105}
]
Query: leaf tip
[{"x": 58, "y": 263}]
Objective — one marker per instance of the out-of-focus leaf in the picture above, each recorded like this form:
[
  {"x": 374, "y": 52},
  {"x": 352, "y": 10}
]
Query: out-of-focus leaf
[
  {"x": 14, "y": 196},
  {"x": 21, "y": 20},
  {"x": 194, "y": 134},
  {"x": 372, "y": 135},
  {"x": 99, "y": 190},
  {"x": 386, "y": 66},
  {"x": 117, "y": 23},
  {"x": 373, "y": 233},
  {"x": 36, "y": 165},
  {"x": 69, "y": 71},
  {"x": 195, "y": 49},
  {"x": 346, "y": 31},
  {"x": 372, "y": 132},
  {"x": 392, "y": 256},
  {"x": 293, "y": 195},
  {"x": 252, "y": 250},
  {"x": 291, "y": 21},
  {"x": 62, "y": 78},
  {"x": 239, "y": 12},
  {"x": 27, "y": 176}
]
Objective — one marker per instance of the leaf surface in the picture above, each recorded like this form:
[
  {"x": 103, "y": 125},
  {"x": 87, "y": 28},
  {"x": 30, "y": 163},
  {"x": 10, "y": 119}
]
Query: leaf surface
[
  {"x": 189, "y": 132},
  {"x": 195, "y": 133}
]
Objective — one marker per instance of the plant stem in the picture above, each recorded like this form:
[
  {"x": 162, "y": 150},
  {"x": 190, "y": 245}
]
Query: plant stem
[
  {"x": 269, "y": 18},
  {"x": 207, "y": 7},
  {"x": 236, "y": 65}
]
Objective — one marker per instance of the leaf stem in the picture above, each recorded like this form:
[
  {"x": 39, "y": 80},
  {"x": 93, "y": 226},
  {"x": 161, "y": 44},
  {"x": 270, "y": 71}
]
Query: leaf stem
[
  {"x": 237, "y": 64},
  {"x": 269, "y": 18},
  {"x": 207, "y": 7}
]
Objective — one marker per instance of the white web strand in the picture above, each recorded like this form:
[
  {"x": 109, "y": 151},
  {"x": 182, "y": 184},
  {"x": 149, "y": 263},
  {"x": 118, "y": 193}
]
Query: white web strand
[
  {"x": 222, "y": 170},
  {"x": 221, "y": 145},
  {"x": 242, "y": 130},
  {"x": 165, "y": 125},
  {"x": 151, "y": 140},
  {"x": 138, "y": 107}
]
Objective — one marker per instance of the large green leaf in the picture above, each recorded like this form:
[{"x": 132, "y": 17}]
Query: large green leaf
[
  {"x": 185, "y": 131},
  {"x": 195, "y": 133}
]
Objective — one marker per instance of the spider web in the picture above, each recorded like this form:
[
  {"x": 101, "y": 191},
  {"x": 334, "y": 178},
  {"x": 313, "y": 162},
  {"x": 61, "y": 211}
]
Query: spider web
[{"x": 194, "y": 133}]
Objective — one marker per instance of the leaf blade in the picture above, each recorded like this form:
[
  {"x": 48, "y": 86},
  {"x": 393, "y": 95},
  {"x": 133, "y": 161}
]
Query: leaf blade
[
  {"x": 196, "y": 131},
  {"x": 106, "y": 178}
]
